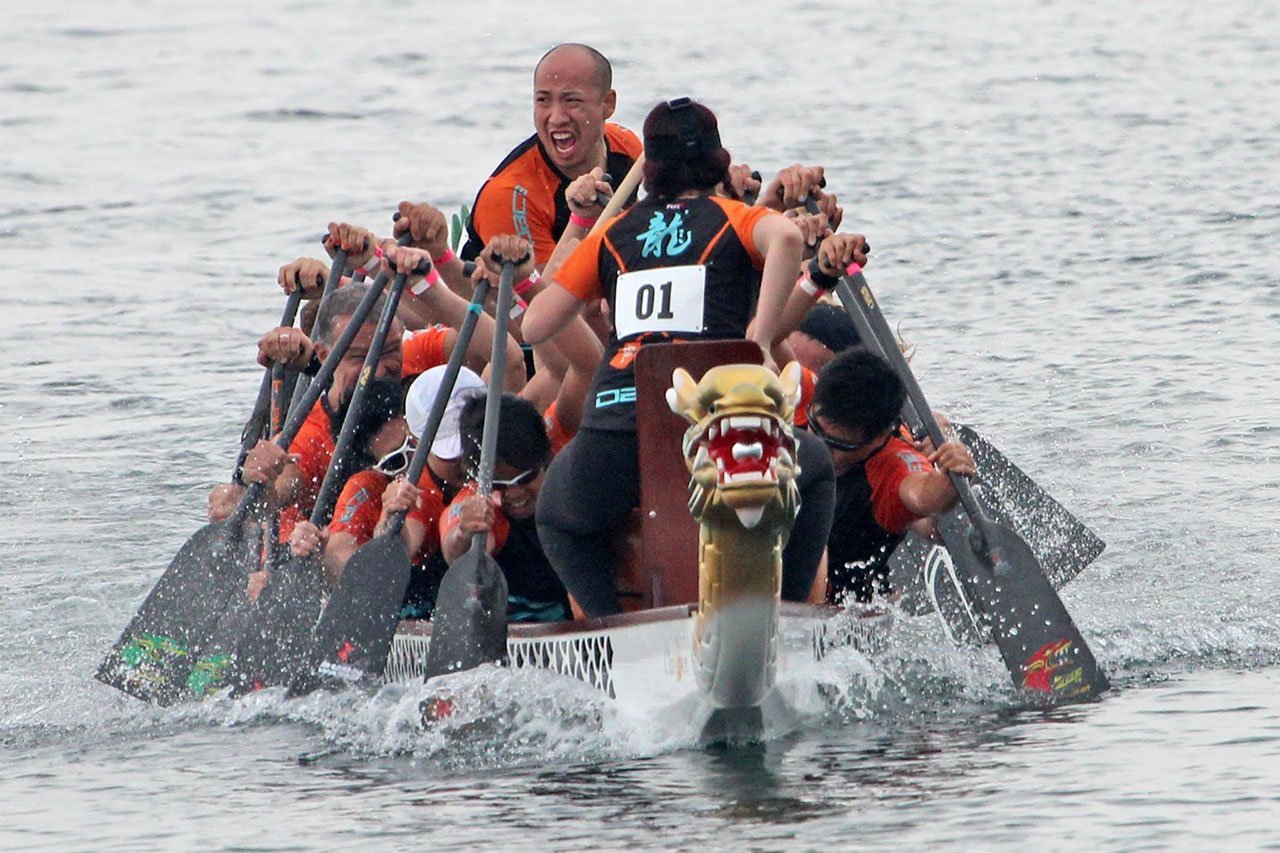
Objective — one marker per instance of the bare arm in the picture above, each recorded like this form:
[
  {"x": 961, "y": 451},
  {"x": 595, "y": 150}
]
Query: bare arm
[
  {"x": 930, "y": 492},
  {"x": 780, "y": 242}
]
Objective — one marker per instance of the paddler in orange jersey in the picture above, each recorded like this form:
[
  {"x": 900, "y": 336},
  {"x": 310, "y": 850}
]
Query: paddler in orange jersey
[
  {"x": 295, "y": 474},
  {"x": 719, "y": 249},
  {"x": 573, "y": 98},
  {"x": 370, "y": 496},
  {"x": 884, "y": 484},
  {"x": 534, "y": 591}
]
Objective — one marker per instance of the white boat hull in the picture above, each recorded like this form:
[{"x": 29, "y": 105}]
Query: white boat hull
[{"x": 645, "y": 659}]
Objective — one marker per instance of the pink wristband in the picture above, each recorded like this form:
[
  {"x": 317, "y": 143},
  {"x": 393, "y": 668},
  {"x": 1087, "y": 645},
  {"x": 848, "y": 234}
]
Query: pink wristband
[
  {"x": 446, "y": 256},
  {"x": 523, "y": 287},
  {"x": 582, "y": 221},
  {"x": 429, "y": 281},
  {"x": 809, "y": 287}
]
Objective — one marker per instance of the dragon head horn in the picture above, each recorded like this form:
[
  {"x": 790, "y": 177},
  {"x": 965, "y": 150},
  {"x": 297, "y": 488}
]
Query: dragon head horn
[
  {"x": 790, "y": 378},
  {"x": 682, "y": 396}
]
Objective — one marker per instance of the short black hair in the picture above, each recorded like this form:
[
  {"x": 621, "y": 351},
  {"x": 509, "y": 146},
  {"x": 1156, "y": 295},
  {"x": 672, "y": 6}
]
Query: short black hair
[
  {"x": 831, "y": 327},
  {"x": 859, "y": 391},
  {"x": 522, "y": 435},
  {"x": 604, "y": 71},
  {"x": 383, "y": 401}
]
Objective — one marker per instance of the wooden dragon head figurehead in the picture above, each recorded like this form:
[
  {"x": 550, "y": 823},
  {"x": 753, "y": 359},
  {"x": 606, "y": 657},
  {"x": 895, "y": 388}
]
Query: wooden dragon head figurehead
[{"x": 740, "y": 448}]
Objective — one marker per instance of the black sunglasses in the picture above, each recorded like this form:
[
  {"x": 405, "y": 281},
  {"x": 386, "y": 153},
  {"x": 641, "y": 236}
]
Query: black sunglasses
[{"x": 831, "y": 441}]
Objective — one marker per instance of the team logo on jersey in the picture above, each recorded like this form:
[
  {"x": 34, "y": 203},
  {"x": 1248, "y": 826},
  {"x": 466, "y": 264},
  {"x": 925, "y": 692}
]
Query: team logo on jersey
[
  {"x": 677, "y": 237},
  {"x": 915, "y": 464},
  {"x": 520, "y": 212},
  {"x": 358, "y": 500}
]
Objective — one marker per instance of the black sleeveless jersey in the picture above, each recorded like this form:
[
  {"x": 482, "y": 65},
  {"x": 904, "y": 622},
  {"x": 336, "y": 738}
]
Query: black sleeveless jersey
[{"x": 669, "y": 270}]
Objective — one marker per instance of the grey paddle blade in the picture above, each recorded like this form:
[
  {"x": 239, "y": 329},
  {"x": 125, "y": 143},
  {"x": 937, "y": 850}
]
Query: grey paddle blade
[
  {"x": 469, "y": 625},
  {"x": 351, "y": 640},
  {"x": 1037, "y": 638},
  {"x": 155, "y": 656},
  {"x": 275, "y": 644},
  {"x": 1064, "y": 546}
]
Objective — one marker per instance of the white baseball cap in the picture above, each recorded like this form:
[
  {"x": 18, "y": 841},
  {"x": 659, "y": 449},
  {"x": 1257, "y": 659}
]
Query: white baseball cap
[{"x": 422, "y": 393}]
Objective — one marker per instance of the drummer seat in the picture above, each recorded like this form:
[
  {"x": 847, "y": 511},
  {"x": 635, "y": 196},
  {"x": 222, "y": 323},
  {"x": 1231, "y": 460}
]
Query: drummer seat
[{"x": 658, "y": 553}]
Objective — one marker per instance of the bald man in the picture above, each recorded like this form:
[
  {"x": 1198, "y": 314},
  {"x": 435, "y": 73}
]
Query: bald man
[{"x": 573, "y": 98}]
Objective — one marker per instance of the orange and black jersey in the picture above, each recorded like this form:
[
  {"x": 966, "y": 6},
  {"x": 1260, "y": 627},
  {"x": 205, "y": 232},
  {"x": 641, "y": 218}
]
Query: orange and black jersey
[
  {"x": 870, "y": 519},
  {"x": 525, "y": 194},
  {"x": 679, "y": 269}
]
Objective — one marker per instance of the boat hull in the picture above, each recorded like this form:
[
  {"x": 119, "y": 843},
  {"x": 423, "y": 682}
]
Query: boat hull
[{"x": 645, "y": 659}]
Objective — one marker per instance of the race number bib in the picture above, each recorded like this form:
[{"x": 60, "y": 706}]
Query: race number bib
[{"x": 661, "y": 300}]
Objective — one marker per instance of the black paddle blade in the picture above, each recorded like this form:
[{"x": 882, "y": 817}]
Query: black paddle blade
[
  {"x": 1062, "y": 544},
  {"x": 157, "y": 654},
  {"x": 1040, "y": 644},
  {"x": 469, "y": 625},
  {"x": 354, "y": 634},
  {"x": 275, "y": 646}
]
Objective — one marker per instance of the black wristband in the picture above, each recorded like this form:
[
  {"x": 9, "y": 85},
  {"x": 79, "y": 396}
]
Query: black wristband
[
  {"x": 313, "y": 366},
  {"x": 820, "y": 278}
]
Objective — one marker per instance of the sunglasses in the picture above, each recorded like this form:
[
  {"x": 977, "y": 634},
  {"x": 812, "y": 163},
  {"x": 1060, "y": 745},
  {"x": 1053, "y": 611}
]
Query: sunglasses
[
  {"x": 397, "y": 461},
  {"x": 830, "y": 440},
  {"x": 521, "y": 479}
]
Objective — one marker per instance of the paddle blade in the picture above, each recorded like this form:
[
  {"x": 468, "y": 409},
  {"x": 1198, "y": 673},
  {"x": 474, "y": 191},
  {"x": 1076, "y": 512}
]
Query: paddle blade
[
  {"x": 1039, "y": 642},
  {"x": 155, "y": 656},
  {"x": 1064, "y": 546},
  {"x": 355, "y": 630},
  {"x": 277, "y": 641},
  {"x": 469, "y": 625}
]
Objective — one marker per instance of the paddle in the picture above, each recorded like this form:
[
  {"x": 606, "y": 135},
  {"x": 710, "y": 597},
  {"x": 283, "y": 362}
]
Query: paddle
[
  {"x": 469, "y": 624},
  {"x": 156, "y": 653},
  {"x": 276, "y": 645},
  {"x": 1039, "y": 642},
  {"x": 355, "y": 630}
]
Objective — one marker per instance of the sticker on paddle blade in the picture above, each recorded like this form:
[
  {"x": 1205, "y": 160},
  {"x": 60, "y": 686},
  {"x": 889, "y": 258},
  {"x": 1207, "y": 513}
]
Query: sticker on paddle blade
[{"x": 1054, "y": 670}]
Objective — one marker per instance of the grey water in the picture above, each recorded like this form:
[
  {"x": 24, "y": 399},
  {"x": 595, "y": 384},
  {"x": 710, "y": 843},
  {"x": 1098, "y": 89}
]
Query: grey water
[{"x": 1074, "y": 212}]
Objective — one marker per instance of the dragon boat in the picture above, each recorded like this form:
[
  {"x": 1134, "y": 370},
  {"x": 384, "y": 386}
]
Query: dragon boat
[{"x": 701, "y": 574}]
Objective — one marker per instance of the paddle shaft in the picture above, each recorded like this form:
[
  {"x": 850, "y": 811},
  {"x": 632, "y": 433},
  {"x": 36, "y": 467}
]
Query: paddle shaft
[
  {"x": 493, "y": 402},
  {"x": 454, "y": 366},
  {"x": 301, "y": 408},
  {"x": 621, "y": 194},
  {"x": 326, "y": 296},
  {"x": 862, "y": 303},
  {"x": 253, "y": 427},
  {"x": 332, "y": 480}
]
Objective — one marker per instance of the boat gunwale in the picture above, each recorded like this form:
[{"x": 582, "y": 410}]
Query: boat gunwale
[{"x": 533, "y": 630}]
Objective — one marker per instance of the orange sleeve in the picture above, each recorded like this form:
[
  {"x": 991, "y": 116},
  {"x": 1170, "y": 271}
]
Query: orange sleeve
[
  {"x": 808, "y": 381},
  {"x": 425, "y": 349},
  {"x": 506, "y": 206},
  {"x": 744, "y": 220},
  {"x": 314, "y": 446},
  {"x": 885, "y": 472},
  {"x": 359, "y": 506},
  {"x": 449, "y": 518},
  {"x": 555, "y": 430},
  {"x": 623, "y": 140},
  {"x": 427, "y": 513},
  {"x": 580, "y": 272}
]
